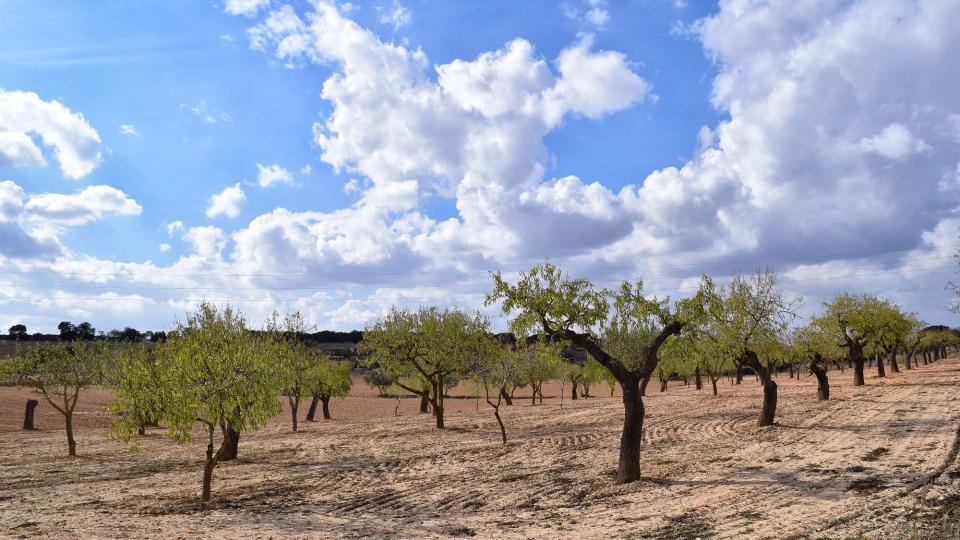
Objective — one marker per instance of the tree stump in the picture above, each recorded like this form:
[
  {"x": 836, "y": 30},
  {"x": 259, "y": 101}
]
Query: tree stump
[{"x": 28, "y": 414}]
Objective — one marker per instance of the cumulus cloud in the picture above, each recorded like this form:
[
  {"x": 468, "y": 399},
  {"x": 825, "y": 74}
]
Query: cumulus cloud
[
  {"x": 591, "y": 12},
  {"x": 89, "y": 204},
  {"x": 30, "y": 224},
  {"x": 128, "y": 129},
  {"x": 227, "y": 202},
  {"x": 395, "y": 15},
  {"x": 247, "y": 8},
  {"x": 268, "y": 175},
  {"x": 208, "y": 242},
  {"x": 75, "y": 144}
]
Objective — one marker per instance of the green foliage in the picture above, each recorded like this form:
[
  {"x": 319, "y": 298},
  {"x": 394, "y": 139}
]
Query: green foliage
[
  {"x": 430, "y": 344},
  {"x": 750, "y": 313},
  {"x": 619, "y": 327},
  {"x": 57, "y": 371},
  {"x": 138, "y": 392},
  {"x": 379, "y": 379},
  {"x": 212, "y": 371},
  {"x": 330, "y": 378}
]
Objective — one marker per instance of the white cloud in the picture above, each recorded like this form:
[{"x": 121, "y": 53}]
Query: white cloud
[
  {"x": 227, "y": 202},
  {"x": 594, "y": 13},
  {"x": 395, "y": 15},
  {"x": 268, "y": 175},
  {"x": 206, "y": 113},
  {"x": 894, "y": 142},
  {"x": 90, "y": 204},
  {"x": 247, "y": 8},
  {"x": 306, "y": 169},
  {"x": 128, "y": 129},
  {"x": 75, "y": 144},
  {"x": 173, "y": 227},
  {"x": 208, "y": 242},
  {"x": 164, "y": 248}
]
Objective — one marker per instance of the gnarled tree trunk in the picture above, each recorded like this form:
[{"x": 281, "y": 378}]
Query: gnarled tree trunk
[
  {"x": 628, "y": 467},
  {"x": 881, "y": 372},
  {"x": 325, "y": 400},
  {"x": 823, "y": 384},
  {"x": 28, "y": 414},
  {"x": 697, "y": 381},
  {"x": 312, "y": 411},
  {"x": 231, "y": 443}
]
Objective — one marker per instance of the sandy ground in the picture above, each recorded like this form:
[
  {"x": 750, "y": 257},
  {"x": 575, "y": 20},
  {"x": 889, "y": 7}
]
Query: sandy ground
[{"x": 832, "y": 469}]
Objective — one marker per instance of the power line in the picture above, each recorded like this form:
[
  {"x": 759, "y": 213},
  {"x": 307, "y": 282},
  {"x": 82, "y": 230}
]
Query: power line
[
  {"x": 321, "y": 288},
  {"x": 464, "y": 295},
  {"x": 834, "y": 256}
]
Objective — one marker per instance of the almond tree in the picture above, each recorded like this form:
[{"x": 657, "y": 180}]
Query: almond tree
[
  {"x": 814, "y": 345},
  {"x": 494, "y": 366},
  {"x": 747, "y": 320},
  {"x": 214, "y": 373},
  {"x": 430, "y": 346},
  {"x": 623, "y": 330},
  {"x": 329, "y": 379},
  {"x": 297, "y": 361},
  {"x": 540, "y": 361},
  {"x": 58, "y": 372},
  {"x": 137, "y": 388},
  {"x": 852, "y": 321}
]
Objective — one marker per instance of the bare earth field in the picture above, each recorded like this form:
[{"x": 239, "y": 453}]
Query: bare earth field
[{"x": 834, "y": 469}]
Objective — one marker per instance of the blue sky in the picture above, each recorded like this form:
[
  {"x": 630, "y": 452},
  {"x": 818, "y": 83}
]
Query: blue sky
[{"x": 673, "y": 144}]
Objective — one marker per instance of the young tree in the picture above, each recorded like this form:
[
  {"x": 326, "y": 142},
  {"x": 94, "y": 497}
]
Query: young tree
[
  {"x": 214, "y": 373},
  {"x": 138, "y": 387},
  {"x": 852, "y": 321},
  {"x": 379, "y": 379},
  {"x": 428, "y": 346},
  {"x": 58, "y": 372},
  {"x": 298, "y": 362},
  {"x": 747, "y": 320},
  {"x": 814, "y": 345},
  {"x": 330, "y": 379},
  {"x": 540, "y": 361},
  {"x": 494, "y": 366},
  {"x": 625, "y": 340}
]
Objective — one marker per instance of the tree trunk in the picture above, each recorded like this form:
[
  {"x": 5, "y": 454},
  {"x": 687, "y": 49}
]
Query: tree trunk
[
  {"x": 71, "y": 443},
  {"x": 893, "y": 362},
  {"x": 505, "y": 396},
  {"x": 503, "y": 430},
  {"x": 823, "y": 384},
  {"x": 294, "y": 405},
  {"x": 909, "y": 359},
  {"x": 573, "y": 391},
  {"x": 663, "y": 384},
  {"x": 325, "y": 400},
  {"x": 769, "y": 410},
  {"x": 643, "y": 386},
  {"x": 628, "y": 467},
  {"x": 697, "y": 381},
  {"x": 739, "y": 374},
  {"x": 881, "y": 372},
  {"x": 713, "y": 382},
  {"x": 424, "y": 403},
  {"x": 312, "y": 411},
  {"x": 231, "y": 443},
  {"x": 858, "y": 371},
  {"x": 28, "y": 414}
]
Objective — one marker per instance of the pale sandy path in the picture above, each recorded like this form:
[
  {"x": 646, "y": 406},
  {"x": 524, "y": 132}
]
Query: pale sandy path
[{"x": 708, "y": 471}]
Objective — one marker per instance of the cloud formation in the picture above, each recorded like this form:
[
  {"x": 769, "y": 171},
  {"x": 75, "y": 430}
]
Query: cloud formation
[
  {"x": 226, "y": 203},
  {"x": 23, "y": 115}
]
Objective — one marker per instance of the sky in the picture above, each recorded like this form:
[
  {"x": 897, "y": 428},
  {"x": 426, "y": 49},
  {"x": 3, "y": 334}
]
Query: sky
[{"x": 339, "y": 158}]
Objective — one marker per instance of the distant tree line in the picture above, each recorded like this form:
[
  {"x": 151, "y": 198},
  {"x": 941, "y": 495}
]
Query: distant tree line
[{"x": 85, "y": 331}]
